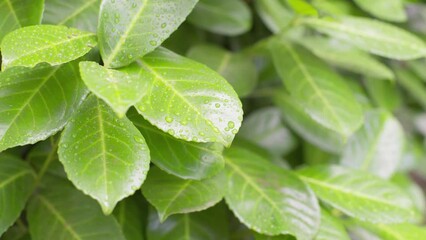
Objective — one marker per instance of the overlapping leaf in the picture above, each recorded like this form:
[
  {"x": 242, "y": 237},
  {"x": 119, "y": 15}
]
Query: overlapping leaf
[
  {"x": 390, "y": 10},
  {"x": 268, "y": 199},
  {"x": 36, "y": 103},
  {"x": 131, "y": 214},
  {"x": 331, "y": 228},
  {"x": 45, "y": 43},
  {"x": 104, "y": 156},
  {"x": 359, "y": 194},
  {"x": 274, "y": 14},
  {"x": 188, "y": 100},
  {"x": 188, "y": 160},
  {"x": 130, "y": 29}
]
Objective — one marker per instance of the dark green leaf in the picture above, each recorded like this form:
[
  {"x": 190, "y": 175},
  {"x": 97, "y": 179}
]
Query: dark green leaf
[{"x": 129, "y": 214}]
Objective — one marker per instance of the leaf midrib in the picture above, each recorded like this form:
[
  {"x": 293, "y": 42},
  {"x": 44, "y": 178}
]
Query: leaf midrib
[
  {"x": 14, "y": 177},
  {"x": 77, "y": 11},
  {"x": 175, "y": 196},
  {"x": 103, "y": 148}
]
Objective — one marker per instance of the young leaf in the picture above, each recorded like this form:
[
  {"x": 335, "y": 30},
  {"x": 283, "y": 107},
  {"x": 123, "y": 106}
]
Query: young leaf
[
  {"x": 389, "y": 10},
  {"x": 131, "y": 214},
  {"x": 37, "y": 102},
  {"x": 226, "y": 17},
  {"x": 331, "y": 228},
  {"x": 104, "y": 156},
  {"x": 302, "y": 7},
  {"x": 188, "y": 100},
  {"x": 268, "y": 199},
  {"x": 239, "y": 70},
  {"x": 347, "y": 57},
  {"x": 16, "y": 186},
  {"x": 45, "y": 43},
  {"x": 19, "y": 13},
  {"x": 81, "y": 14},
  {"x": 130, "y": 29},
  {"x": 179, "y": 195},
  {"x": 376, "y": 147},
  {"x": 404, "y": 231},
  {"x": 274, "y": 14},
  {"x": 57, "y": 213},
  {"x": 120, "y": 89},
  {"x": 373, "y": 36},
  {"x": 188, "y": 160},
  {"x": 323, "y": 95},
  {"x": 359, "y": 194},
  {"x": 210, "y": 224}
]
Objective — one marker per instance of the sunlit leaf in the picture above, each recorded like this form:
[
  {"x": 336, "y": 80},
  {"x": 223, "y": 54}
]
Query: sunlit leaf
[{"x": 390, "y": 10}]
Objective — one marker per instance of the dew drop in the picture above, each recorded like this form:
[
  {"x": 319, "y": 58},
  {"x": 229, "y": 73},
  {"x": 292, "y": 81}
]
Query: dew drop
[
  {"x": 217, "y": 105},
  {"x": 153, "y": 43},
  {"x": 164, "y": 25},
  {"x": 169, "y": 119},
  {"x": 231, "y": 124}
]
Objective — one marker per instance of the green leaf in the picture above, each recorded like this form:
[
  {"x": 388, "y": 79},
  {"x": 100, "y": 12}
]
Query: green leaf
[
  {"x": 377, "y": 147},
  {"x": 383, "y": 93},
  {"x": 258, "y": 236},
  {"x": 404, "y": 231},
  {"x": 408, "y": 184},
  {"x": 188, "y": 100},
  {"x": 19, "y": 13},
  {"x": 120, "y": 89},
  {"x": 38, "y": 102},
  {"x": 389, "y": 10},
  {"x": 302, "y": 7},
  {"x": 16, "y": 232},
  {"x": 211, "y": 224},
  {"x": 130, "y": 29},
  {"x": 264, "y": 127},
  {"x": 61, "y": 212},
  {"x": 372, "y": 36},
  {"x": 268, "y": 199},
  {"x": 129, "y": 214},
  {"x": 45, "y": 43},
  {"x": 323, "y": 95},
  {"x": 181, "y": 195},
  {"x": 238, "y": 69},
  {"x": 188, "y": 160},
  {"x": 359, "y": 194},
  {"x": 347, "y": 57},
  {"x": 16, "y": 186},
  {"x": 274, "y": 14},
  {"x": 226, "y": 17},
  {"x": 331, "y": 228},
  {"x": 412, "y": 84},
  {"x": 104, "y": 156},
  {"x": 81, "y": 14},
  {"x": 327, "y": 139}
]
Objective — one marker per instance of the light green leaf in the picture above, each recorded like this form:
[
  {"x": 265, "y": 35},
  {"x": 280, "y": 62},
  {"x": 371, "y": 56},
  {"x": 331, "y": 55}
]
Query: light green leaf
[
  {"x": 81, "y": 14},
  {"x": 302, "y": 7},
  {"x": 389, "y": 10},
  {"x": 130, "y": 214},
  {"x": 264, "y": 127},
  {"x": 188, "y": 100},
  {"x": 57, "y": 213},
  {"x": 377, "y": 147},
  {"x": 238, "y": 69},
  {"x": 331, "y": 228},
  {"x": 384, "y": 94},
  {"x": 104, "y": 156},
  {"x": 188, "y": 160},
  {"x": 359, "y": 194},
  {"x": 120, "y": 89},
  {"x": 347, "y": 57},
  {"x": 179, "y": 195},
  {"x": 268, "y": 199},
  {"x": 19, "y": 13},
  {"x": 337, "y": 7},
  {"x": 372, "y": 36},
  {"x": 408, "y": 184},
  {"x": 322, "y": 94},
  {"x": 130, "y": 29},
  {"x": 274, "y": 14},
  {"x": 16, "y": 186},
  {"x": 226, "y": 17},
  {"x": 327, "y": 139},
  {"x": 412, "y": 84},
  {"x": 211, "y": 224},
  {"x": 45, "y": 43},
  {"x": 404, "y": 231},
  {"x": 417, "y": 66},
  {"x": 38, "y": 102}
]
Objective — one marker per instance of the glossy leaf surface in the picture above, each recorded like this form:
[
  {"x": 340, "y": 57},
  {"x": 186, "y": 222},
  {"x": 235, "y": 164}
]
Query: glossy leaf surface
[
  {"x": 188, "y": 100},
  {"x": 45, "y": 43},
  {"x": 373, "y": 36},
  {"x": 376, "y": 147},
  {"x": 104, "y": 156},
  {"x": 389, "y": 10},
  {"x": 227, "y": 17},
  {"x": 56, "y": 213},
  {"x": 179, "y": 195},
  {"x": 130, "y": 29},
  {"x": 120, "y": 89},
  {"x": 188, "y": 160},
  {"x": 16, "y": 186},
  {"x": 323, "y": 95},
  {"x": 38, "y": 102},
  {"x": 19, "y": 13},
  {"x": 359, "y": 194},
  {"x": 268, "y": 199}
]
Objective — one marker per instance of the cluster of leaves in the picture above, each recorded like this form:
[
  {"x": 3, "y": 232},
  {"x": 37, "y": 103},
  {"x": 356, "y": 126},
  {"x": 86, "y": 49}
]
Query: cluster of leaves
[{"x": 99, "y": 99}]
